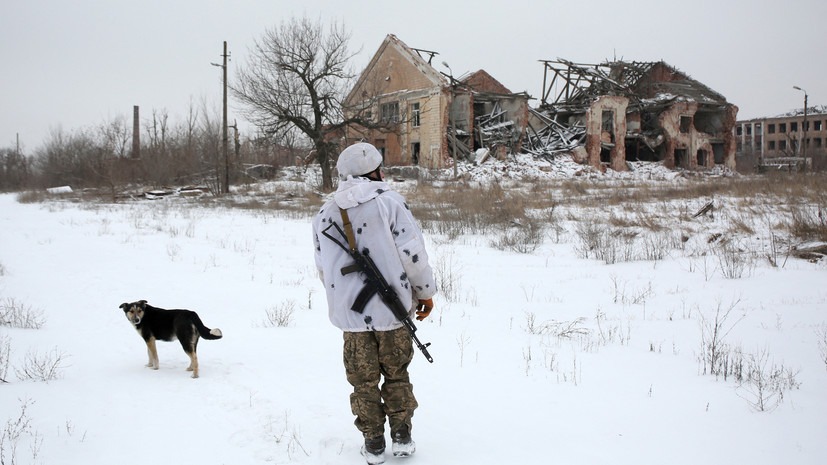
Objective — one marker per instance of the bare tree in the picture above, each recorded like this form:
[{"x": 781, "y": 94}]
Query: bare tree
[
  {"x": 66, "y": 158},
  {"x": 210, "y": 145},
  {"x": 15, "y": 169},
  {"x": 116, "y": 136},
  {"x": 297, "y": 77}
]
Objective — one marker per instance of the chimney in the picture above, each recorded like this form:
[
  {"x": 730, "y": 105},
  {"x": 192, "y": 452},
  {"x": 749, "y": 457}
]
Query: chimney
[{"x": 136, "y": 133}]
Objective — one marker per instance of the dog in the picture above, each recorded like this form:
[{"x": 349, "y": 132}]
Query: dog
[{"x": 154, "y": 323}]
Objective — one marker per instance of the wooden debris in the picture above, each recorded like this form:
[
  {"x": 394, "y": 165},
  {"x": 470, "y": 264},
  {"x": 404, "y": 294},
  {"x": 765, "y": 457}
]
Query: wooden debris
[
  {"x": 705, "y": 209},
  {"x": 553, "y": 138}
]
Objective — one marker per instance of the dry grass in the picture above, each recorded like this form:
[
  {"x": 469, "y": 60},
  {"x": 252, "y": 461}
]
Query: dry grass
[
  {"x": 518, "y": 215},
  {"x": 460, "y": 209},
  {"x": 809, "y": 223},
  {"x": 794, "y": 203}
]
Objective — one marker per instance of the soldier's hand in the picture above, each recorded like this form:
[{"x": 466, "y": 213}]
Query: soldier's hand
[{"x": 423, "y": 308}]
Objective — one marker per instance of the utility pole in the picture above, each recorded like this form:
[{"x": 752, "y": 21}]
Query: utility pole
[
  {"x": 804, "y": 142},
  {"x": 136, "y": 132},
  {"x": 225, "y": 187},
  {"x": 804, "y": 129}
]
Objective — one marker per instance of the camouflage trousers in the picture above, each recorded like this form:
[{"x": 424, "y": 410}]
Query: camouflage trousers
[{"x": 371, "y": 357}]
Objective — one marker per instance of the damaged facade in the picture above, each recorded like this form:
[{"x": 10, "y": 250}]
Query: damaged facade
[
  {"x": 427, "y": 116},
  {"x": 616, "y": 112}
]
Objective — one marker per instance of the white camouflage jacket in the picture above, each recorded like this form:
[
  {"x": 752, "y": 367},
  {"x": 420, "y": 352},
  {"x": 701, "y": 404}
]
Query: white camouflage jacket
[{"x": 383, "y": 228}]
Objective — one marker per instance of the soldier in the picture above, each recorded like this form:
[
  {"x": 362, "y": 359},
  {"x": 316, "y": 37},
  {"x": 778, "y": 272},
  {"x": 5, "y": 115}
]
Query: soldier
[{"x": 377, "y": 348}]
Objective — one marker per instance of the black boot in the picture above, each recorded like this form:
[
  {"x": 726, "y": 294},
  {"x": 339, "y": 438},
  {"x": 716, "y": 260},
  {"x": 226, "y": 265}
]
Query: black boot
[
  {"x": 374, "y": 450},
  {"x": 403, "y": 445}
]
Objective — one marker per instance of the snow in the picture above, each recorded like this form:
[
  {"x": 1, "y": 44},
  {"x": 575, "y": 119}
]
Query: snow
[
  {"x": 813, "y": 110},
  {"x": 626, "y": 388}
]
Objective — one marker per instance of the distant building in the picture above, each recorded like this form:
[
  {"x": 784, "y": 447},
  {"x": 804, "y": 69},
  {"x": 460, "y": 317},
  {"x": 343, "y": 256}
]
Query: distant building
[
  {"x": 638, "y": 111},
  {"x": 777, "y": 141},
  {"x": 427, "y": 117}
]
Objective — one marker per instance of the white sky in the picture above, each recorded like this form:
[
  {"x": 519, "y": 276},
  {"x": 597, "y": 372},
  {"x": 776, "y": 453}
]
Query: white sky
[{"x": 77, "y": 64}]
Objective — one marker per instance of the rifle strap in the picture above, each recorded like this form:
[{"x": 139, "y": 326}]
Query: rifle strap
[{"x": 351, "y": 239}]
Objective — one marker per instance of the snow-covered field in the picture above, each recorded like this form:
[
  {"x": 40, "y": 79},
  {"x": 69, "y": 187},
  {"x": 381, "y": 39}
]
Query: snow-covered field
[{"x": 540, "y": 358}]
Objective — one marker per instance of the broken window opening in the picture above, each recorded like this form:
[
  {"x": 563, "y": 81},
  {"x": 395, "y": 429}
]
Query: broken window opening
[
  {"x": 782, "y": 145},
  {"x": 686, "y": 124},
  {"x": 608, "y": 117},
  {"x": 415, "y": 112},
  {"x": 648, "y": 121},
  {"x": 608, "y": 124},
  {"x": 636, "y": 150},
  {"x": 605, "y": 155},
  {"x": 771, "y": 128},
  {"x": 680, "y": 158},
  {"x": 782, "y": 127},
  {"x": 479, "y": 109},
  {"x": 415, "y": 153},
  {"x": 712, "y": 122},
  {"x": 390, "y": 113},
  {"x": 772, "y": 145},
  {"x": 793, "y": 126},
  {"x": 701, "y": 157},
  {"x": 718, "y": 153},
  {"x": 817, "y": 143},
  {"x": 817, "y": 125}
]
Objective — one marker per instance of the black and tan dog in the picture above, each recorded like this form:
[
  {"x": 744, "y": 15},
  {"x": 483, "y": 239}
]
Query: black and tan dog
[{"x": 154, "y": 323}]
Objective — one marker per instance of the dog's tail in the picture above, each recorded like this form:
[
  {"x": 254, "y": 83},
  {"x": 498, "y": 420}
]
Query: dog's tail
[{"x": 205, "y": 332}]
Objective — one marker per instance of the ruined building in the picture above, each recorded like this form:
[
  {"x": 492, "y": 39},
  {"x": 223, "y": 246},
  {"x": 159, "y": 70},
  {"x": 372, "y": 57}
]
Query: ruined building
[
  {"x": 618, "y": 111},
  {"x": 428, "y": 117}
]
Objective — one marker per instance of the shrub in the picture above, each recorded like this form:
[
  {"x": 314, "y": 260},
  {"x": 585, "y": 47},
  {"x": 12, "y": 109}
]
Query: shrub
[
  {"x": 19, "y": 315},
  {"x": 733, "y": 259},
  {"x": 765, "y": 383},
  {"x": 41, "y": 367},
  {"x": 822, "y": 343},
  {"x": 521, "y": 238},
  {"x": 716, "y": 355},
  {"x": 809, "y": 223},
  {"x": 5, "y": 353},
  {"x": 279, "y": 316},
  {"x": 17, "y": 433}
]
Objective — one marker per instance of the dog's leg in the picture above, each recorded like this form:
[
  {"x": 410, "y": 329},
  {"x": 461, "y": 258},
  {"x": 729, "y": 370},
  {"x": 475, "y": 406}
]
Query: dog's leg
[
  {"x": 190, "y": 345},
  {"x": 149, "y": 355},
  {"x": 193, "y": 364},
  {"x": 153, "y": 354}
]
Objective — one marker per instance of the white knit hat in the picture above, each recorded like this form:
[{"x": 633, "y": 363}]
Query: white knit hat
[{"x": 358, "y": 159}]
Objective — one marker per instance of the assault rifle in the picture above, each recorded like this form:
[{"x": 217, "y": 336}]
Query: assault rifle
[{"x": 376, "y": 283}]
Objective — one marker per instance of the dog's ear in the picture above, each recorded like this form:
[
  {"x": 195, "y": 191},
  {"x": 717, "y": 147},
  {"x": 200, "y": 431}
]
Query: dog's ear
[
  {"x": 142, "y": 303},
  {"x": 124, "y": 306}
]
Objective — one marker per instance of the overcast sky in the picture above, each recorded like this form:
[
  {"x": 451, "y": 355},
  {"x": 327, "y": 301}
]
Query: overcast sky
[{"x": 76, "y": 64}]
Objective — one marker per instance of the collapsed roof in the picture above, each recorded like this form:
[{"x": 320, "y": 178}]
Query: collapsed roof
[
  {"x": 626, "y": 111},
  {"x": 643, "y": 83}
]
